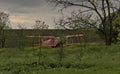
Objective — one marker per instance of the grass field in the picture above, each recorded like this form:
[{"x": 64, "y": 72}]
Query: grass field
[{"x": 75, "y": 59}]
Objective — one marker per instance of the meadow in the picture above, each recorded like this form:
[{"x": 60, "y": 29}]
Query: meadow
[{"x": 74, "y": 59}]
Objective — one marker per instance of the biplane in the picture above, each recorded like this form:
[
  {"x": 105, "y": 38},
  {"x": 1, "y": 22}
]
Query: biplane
[{"x": 54, "y": 41}]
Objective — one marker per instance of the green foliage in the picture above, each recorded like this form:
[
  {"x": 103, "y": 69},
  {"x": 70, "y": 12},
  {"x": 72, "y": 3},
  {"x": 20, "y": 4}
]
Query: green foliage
[
  {"x": 116, "y": 24},
  {"x": 118, "y": 38},
  {"x": 96, "y": 59},
  {"x": 116, "y": 29},
  {"x": 4, "y": 20}
]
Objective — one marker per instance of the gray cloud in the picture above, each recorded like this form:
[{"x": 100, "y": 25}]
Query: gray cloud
[
  {"x": 22, "y": 6},
  {"x": 26, "y": 11},
  {"x": 24, "y": 2}
]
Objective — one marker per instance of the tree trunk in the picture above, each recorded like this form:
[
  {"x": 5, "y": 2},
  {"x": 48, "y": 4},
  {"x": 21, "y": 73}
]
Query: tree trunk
[
  {"x": 108, "y": 40},
  {"x": 2, "y": 39},
  {"x": 3, "y": 42}
]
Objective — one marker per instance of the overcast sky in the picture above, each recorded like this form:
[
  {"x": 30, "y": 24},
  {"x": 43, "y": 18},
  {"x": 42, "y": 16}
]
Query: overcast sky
[{"x": 27, "y": 11}]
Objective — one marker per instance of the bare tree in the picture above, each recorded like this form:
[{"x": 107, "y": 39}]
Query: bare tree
[
  {"x": 4, "y": 21},
  {"x": 40, "y": 25},
  {"x": 75, "y": 21},
  {"x": 21, "y": 35},
  {"x": 104, "y": 11},
  {"x": 21, "y": 26}
]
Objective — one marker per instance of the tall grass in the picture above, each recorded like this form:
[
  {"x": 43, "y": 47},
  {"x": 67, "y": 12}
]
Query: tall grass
[{"x": 74, "y": 59}]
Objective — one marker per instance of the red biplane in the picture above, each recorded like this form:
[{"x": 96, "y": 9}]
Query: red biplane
[
  {"x": 54, "y": 41},
  {"x": 46, "y": 40}
]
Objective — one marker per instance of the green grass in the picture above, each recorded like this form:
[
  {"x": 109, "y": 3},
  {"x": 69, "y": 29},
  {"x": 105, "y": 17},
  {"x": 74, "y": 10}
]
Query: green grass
[{"x": 77, "y": 59}]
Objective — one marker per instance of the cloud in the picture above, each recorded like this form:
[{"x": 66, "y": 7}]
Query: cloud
[
  {"x": 29, "y": 3},
  {"x": 22, "y": 6},
  {"x": 27, "y": 11}
]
